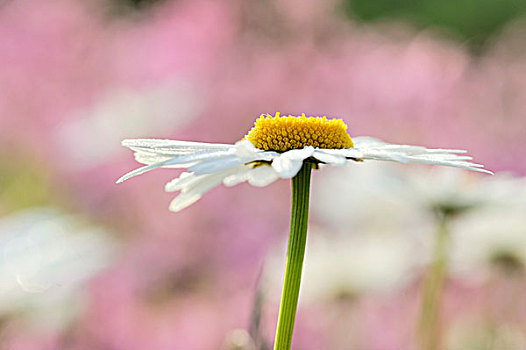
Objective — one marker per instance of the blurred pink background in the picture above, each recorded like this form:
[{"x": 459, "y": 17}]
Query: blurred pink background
[{"x": 77, "y": 77}]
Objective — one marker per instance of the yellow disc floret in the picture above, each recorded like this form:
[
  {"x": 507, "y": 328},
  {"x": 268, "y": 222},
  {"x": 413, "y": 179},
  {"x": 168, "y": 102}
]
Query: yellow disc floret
[{"x": 276, "y": 133}]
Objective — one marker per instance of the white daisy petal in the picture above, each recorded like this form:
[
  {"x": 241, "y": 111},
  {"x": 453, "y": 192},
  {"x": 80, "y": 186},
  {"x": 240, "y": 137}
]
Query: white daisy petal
[
  {"x": 480, "y": 170},
  {"x": 262, "y": 176},
  {"x": 346, "y": 152},
  {"x": 246, "y": 151},
  {"x": 139, "y": 171},
  {"x": 184, "y": 200},
  {"x": 445, "y": 162},
  {"x": 454, "y": 164},
  {"x": 289, "y": 163},
  {"x": 238, "y": 177},
  {"x": 378, "y": 150},
  {"x": 193, "y": 189},
  {"x": 330, "y": 158},
  {"x": 199, "y": 182},
  {"x": 151, "y": 158},
  {"x": 383, "y": 155},
  {"x": 215, "y": 165},
  {"x": 183, "y": 160},
  {"x": 186, "y": 160},
  {"x": 450, "y": 156},
  {"x": 267, "y": 156},
  {"x": 171, "y": 147},
  {"x": 364, "y": 142},
  {"x": 259, "y": 176},
  {"x": 151, "y": 151},
  {"x": 180, "y": 182},
  {"x": 201, "y": 156}
]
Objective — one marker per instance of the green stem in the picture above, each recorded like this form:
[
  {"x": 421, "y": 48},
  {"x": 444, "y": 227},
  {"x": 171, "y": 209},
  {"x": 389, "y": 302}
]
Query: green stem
[
  {"x": 429, "y": 323},
  {"x": 296, "y": 251}
]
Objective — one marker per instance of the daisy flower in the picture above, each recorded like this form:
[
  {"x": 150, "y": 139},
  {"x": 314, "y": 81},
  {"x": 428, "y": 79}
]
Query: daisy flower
[
  {"x": 47, "y": 258},
  {"x": 287, "y": 147},
  {"x": 276, "y": 147}
]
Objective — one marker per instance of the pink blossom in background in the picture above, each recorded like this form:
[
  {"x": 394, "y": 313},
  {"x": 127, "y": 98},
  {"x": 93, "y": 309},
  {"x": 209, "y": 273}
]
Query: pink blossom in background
[
  {"x": 63, "y": 56},
  {"x": 179, "y": 39},
  {"x": 52, "y": 62}
]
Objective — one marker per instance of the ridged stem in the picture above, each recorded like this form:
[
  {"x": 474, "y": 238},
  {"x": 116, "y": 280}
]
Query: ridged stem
[{"x": 295, "y": 254}]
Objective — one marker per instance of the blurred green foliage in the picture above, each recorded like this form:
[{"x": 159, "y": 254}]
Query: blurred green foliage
[
  {"x": 138, "y": 3},
  {"x": 127, "y": 6},
  {"x": 473, "y": 21},
  {"x": 24, "y": 183}
]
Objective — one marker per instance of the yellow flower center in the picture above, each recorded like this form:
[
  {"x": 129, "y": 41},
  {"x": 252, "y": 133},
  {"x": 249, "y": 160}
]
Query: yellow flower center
[{"x": 276, "y": 133}]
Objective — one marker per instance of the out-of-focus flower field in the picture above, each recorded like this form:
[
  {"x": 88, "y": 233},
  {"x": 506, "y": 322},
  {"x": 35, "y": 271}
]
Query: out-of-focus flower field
[{"x": 88, "y": 264}]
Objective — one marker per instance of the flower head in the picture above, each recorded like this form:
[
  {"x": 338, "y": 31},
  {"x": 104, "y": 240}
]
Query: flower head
[
  {"x": 276, "y": 147},
  {"x": 282, "y": 134}
]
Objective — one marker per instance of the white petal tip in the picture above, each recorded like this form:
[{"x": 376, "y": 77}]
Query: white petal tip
[
  {"x": 485, "y": 171},
  {"x": 183, "y": 201},
  {"x": 128, "y": 142},
  {"x": 261, "y": 183},
  {"x": 123, "y": 178},
  {"x": 175, "y": 207}
]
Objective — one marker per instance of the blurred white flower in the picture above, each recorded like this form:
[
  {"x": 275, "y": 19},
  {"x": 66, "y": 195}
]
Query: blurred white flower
[
  {"x": 475, "y": 334},
  {"x": 452, "y": 192},
  {"x": 340, "y": 265},
  {"x": 369, "y": 197},
  {"x": 400, "y": 201},
  {"x": 389, "y": 195},
  {"x": 46, "y": 257},
  {"x": 238, "y": 339},
  {"x": 89, "y": 138},
  {"x": 487, "y": 239}
]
